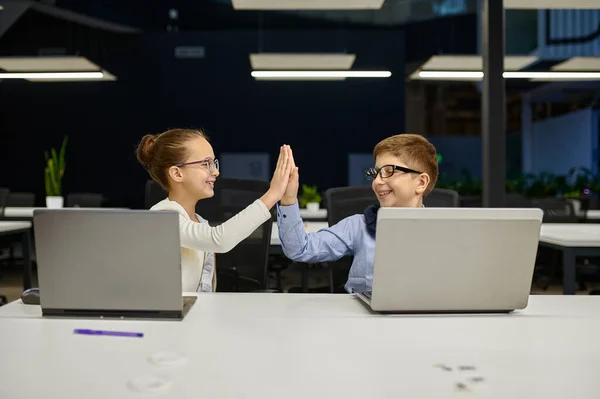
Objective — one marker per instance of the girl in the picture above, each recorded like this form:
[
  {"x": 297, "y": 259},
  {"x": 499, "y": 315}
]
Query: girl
[{"x": 183, "y": 162}]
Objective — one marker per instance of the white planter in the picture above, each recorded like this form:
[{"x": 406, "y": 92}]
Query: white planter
[
  {"x": 53, "y": 202},
  {"x": 312, "y": 207}
]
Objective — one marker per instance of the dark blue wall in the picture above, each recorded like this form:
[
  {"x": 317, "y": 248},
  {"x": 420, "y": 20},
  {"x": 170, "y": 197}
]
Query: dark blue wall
[{"x": 323, "y": 121}]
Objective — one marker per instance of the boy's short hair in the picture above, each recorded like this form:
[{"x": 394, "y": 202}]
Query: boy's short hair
[{"x": 416, "y": 151}]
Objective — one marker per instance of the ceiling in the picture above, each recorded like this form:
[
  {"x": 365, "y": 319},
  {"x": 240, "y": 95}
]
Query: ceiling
[{"x": 220, "y": 14}]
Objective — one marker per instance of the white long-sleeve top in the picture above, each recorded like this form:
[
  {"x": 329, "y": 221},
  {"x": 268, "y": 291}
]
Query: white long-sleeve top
[{"x": 200, "y": 240}]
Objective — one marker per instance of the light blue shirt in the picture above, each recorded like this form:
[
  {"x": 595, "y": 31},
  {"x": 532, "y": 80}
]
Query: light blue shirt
[{"x": 347, "y": 238}]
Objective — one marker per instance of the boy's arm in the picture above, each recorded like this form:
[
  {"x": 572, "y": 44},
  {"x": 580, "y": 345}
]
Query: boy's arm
[{"x": 326, "y": 245}]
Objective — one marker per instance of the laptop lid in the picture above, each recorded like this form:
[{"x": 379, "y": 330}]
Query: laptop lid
[
  {"x": 108, "y": 260},
  {"x": 454, "y": 259}
]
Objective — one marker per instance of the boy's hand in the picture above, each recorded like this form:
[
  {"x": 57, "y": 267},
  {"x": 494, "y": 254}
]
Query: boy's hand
[{"x": 291, "y": 193}]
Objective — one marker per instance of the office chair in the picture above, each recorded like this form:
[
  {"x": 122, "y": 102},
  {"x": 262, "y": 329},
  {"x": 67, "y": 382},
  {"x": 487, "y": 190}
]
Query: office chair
[
  {"x": 442, "y": 198},
  {"x": 26, "y": 200},
  {"x": 245, "y": 267},
  {"x": 347, "y": 201},
  {"x": 4, "y": 193},
  {"x": 15, "y": 199},
  {"x": 85, "y": 200},
  {"x": 556, "y": 210},
  {"x": 153, "y": 194},
  {"x": 516, "y": 200},
  {"x": 343, "y": 202}
]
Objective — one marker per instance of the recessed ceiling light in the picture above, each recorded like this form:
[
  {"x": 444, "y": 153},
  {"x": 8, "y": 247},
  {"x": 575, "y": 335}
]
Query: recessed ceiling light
[
  {"x": 302, "y": 61},
  {"x": 307, "y": 4},
  {"x": 318, "y": 75}
]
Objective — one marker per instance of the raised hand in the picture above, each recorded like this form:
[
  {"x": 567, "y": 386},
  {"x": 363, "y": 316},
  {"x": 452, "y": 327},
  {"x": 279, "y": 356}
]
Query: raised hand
[
  {"x": 280, "y": 179},
  {"x": 291, "y": 192}
]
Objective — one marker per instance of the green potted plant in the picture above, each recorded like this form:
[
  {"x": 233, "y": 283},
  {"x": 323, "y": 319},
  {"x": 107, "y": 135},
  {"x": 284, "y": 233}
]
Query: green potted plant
[
  {"x": 310, "y": 198},
  {"x": 53, "y": 174}
]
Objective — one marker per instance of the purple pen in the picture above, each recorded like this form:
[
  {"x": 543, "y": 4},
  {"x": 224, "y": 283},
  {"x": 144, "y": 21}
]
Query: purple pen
[{"x": 109, "y": 333}]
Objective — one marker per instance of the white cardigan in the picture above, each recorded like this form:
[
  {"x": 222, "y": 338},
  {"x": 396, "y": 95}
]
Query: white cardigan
[{"x": 199, "y": 239}]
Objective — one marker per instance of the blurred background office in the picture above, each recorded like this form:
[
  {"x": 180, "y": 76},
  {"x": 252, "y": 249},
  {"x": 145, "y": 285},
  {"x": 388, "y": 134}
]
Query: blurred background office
[{"x": 329, "y": 77}]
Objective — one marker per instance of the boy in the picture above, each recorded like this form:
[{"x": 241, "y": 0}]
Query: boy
[{"x": 405, "y": 171}]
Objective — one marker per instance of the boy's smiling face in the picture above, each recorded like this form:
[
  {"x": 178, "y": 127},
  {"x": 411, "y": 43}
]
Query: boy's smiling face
[{"x": 400, "y": 189}]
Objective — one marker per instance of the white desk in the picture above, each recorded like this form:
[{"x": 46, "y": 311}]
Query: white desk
[
  {"x": 26, "y": 212},
  {"x": 24, "y": 230},
  {"x": 577, "y": 239},
  {"x": 303, "y": 346},
  {"x": 310, "y": 227},
  {"x": 11, "y": 227},
  {"x": 321, "y": 214},
  {"x": 593, "y": 214}
]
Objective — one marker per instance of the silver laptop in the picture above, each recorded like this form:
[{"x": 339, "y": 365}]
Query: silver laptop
[
  {"x": 109, "y": 263},
  {"x": 453, "y": 260}
]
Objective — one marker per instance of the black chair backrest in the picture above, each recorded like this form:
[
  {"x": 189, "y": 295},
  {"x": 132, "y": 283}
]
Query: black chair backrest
[
  {"x": 85, "y": 200},
  {"x": 515, "y": 200},
  {"x": 21, "y": 200},
  {"x": 442, "y": 198},
  {"x": 245, "y": 267},
  {"x": 556, "y": 210},
  {"x": 586, "y": 202},
  {"x": 341, "y": 203},
  {"x": 153, "y": 194},
  {"x": 4, "y": 192},
  {"x": 347, "y": 201}
]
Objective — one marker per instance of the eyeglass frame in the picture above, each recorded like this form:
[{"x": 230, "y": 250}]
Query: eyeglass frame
[
  {"x": 212, "y": 164},
  {"x": 394, "y": 169}
]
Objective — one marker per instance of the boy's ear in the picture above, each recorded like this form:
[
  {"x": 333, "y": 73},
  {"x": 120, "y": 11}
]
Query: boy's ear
[
  {"x": 175, "y": 174},
  {"x": 423, "y": 183}
]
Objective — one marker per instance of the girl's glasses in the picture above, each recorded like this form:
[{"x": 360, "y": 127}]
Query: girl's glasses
[{"x": 211, "y": 164}]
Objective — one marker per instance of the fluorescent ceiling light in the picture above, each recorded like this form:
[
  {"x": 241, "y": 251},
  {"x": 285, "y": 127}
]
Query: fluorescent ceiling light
[
  {"x": 48, "y": 64},
  {"x": 579, "y": 64},
  {"x": 564, "y": 76},
  {"x": 478, "y": 75},
  {"x": 307, "y": 4},
  {"x": 473, "y": 63},
  {"x": 318, "y": 75},
  {"x": 52, "y": 75},
  {"x": 448, "y": 75},
  {"x": 52, "y": 69},
  {"x": 283, "y": 61},
  {"x": 550, "y": 4}
]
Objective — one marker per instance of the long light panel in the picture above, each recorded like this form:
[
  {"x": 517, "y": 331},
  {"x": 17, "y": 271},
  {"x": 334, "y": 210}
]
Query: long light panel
[{"x": 318, "y": 75}]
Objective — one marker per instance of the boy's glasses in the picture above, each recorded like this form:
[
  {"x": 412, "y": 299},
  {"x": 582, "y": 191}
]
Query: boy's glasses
[
  {"x": 211, "y": 164},
  {"x": 387, "y": 171}
]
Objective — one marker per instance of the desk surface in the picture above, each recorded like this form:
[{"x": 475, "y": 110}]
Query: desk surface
[
  {"x": 25, "y": 212},
  {"x": 571, "y": 234},
  {"x": 302, "y": 345},
  {"x": 593, "y": 214},
  {"x": 320, "y": 214},
  {"x": 6, "y": 227}
]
